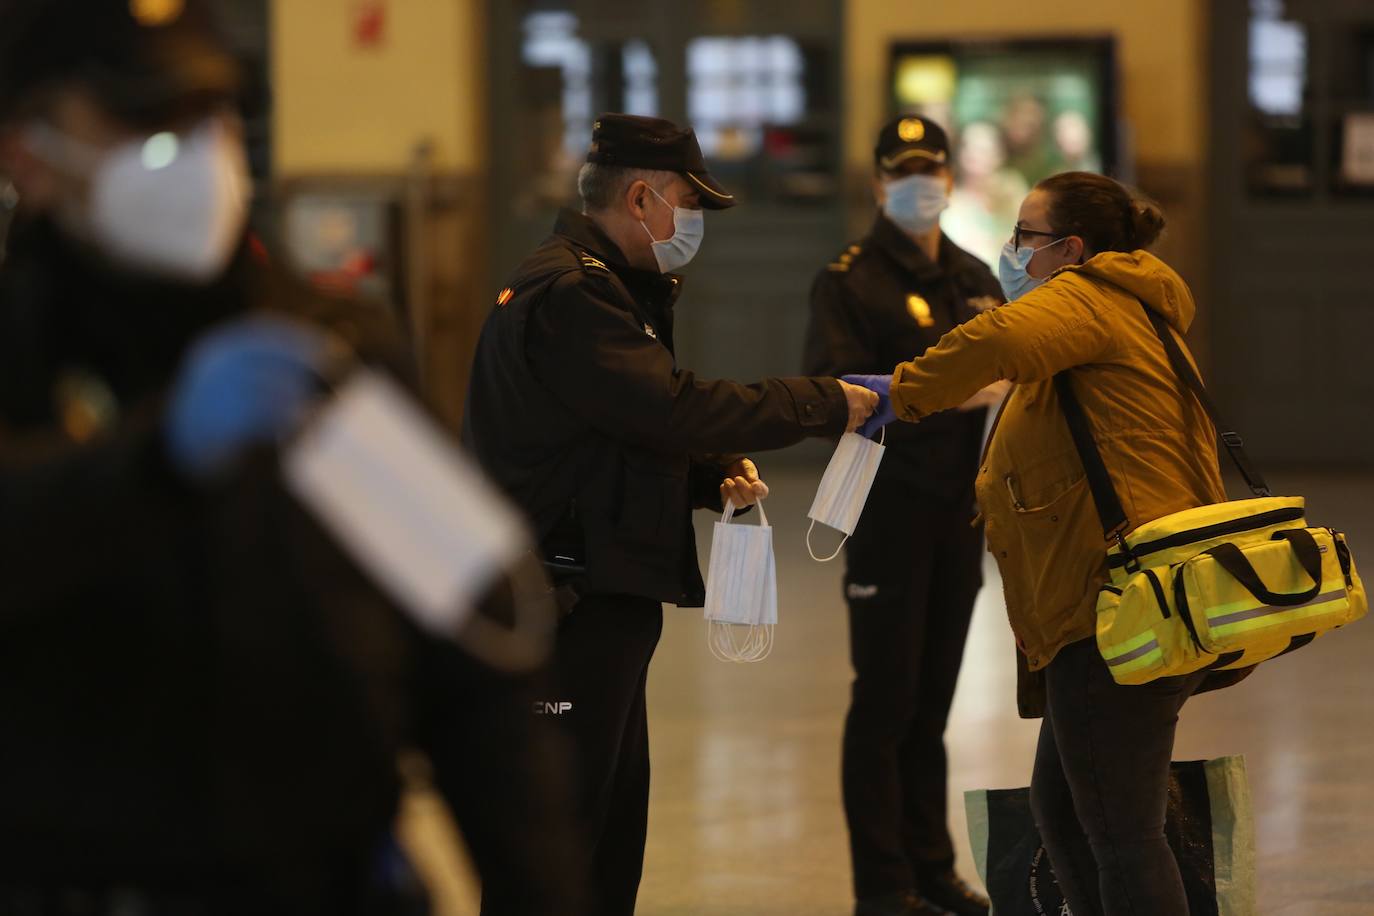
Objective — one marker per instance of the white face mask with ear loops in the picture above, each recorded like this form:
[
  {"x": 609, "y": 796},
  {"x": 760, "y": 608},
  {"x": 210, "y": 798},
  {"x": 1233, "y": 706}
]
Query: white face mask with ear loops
[
  {"x": 844, "y": 489},
  {"x": 169, "y": 204},
  {"x": 689, "y": 227},
  {"x": 741, "y": 590}
]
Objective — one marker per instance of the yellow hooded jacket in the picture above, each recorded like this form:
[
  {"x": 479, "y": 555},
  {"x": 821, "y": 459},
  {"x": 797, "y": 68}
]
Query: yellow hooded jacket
[{"x": 1157, "y": 442}]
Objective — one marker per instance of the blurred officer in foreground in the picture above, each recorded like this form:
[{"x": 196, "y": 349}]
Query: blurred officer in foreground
[
  {"x": 201, "y": 700},
  {"x": 579, "y": 409},
  {"x": 914, "y": 564}
]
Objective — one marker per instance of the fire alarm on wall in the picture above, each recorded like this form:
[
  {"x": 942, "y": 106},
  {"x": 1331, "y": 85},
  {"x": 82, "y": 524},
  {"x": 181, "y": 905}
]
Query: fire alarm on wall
[{"x": 369, "y": 23}]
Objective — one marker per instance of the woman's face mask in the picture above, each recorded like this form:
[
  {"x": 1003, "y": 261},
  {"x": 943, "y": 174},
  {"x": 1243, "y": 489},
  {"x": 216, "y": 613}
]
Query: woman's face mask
[
  {"x": 1012, "y": 270},
  {"x": 915, "y": 202},
  {"x": 689, "y": 226},
  {"x": 169, "y": 204}
]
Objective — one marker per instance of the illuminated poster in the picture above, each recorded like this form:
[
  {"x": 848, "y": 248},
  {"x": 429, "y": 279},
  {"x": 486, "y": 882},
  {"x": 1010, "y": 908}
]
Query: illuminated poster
[{"x": 1016, "y": 112}]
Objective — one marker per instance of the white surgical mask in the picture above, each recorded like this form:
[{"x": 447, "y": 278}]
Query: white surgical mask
[
  {"x": 915, "y": 202},
  {"x": 689, "y": 226},
  {"x": 844, "y": 489},
  {"x": 1011, "y": 270},
  {"x": 169, "y": 204},
  {"x": 741, "y": 590},
  {"x": 417, "y": 516}
]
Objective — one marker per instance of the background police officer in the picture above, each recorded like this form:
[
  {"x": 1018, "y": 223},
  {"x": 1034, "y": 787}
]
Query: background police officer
[
  {"x": 201, "y": 699},
  {"x": 578, "y": 408},
  {"x": 914, "y": 562}
]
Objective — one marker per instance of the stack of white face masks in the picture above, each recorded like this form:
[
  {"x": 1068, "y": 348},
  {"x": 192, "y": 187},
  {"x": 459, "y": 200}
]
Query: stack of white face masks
[
  {"x": 843, "y": 492},
  {"x": 741, "y": 590}
]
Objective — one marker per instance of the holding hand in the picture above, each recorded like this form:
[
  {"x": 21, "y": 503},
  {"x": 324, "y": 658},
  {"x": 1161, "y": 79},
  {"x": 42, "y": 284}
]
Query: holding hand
[
  {"x": 742, "y": 486},
  {"x": 862, "y": 402},
  {"x": 881, "y": 387}
]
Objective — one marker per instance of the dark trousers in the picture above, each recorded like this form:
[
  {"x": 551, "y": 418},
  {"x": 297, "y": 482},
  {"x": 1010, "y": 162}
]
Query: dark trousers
[
  {"x": 1101, "y": 785},
  {"x": 913, "y": 575},
  {"x": 601, "y": 658}
]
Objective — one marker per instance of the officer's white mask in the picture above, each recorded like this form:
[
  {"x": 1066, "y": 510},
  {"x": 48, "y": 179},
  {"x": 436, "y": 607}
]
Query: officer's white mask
[
  {"x": 844, "y": 489},
  {"x": 915, "y": 202},
  {"x": 741, "y": 590},
  {"x": 169, "y": 204},
  {"x": 689, "y": 227}
]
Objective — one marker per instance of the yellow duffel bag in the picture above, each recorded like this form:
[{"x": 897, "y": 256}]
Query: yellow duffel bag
[
  {"x": 1218, "y": 587},
  {"x": 1223, "y": 587}
]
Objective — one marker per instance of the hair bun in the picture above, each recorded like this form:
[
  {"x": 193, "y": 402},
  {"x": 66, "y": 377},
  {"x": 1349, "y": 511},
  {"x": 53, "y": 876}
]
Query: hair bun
[{"x": 1147, "y": 222}]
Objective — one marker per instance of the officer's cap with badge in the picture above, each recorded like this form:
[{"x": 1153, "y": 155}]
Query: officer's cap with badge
[
  {"x": 635, "y": 142},
  {"x": 146, "y": 62},
  {"x": 908, "y": 138}
]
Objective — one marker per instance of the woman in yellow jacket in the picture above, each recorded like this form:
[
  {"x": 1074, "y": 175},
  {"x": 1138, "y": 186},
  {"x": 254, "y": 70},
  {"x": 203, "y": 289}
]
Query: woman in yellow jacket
[{"x": 1078, "y": 279}]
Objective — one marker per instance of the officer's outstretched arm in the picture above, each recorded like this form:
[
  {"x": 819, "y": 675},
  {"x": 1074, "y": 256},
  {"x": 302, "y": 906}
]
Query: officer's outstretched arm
[{"x": 607, "y": 367}]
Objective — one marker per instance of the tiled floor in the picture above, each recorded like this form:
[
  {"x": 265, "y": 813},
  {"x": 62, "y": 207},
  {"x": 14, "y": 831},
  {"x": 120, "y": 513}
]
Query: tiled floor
[{"x": 746, "y": 817}]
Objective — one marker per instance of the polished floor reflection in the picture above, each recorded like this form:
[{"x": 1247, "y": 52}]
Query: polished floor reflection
[{"x": 746, "y": 817}]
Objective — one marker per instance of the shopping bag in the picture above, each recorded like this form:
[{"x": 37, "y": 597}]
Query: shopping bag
[
  {"x": 1210, "y": 827},
  {"x": 741, "y": 590}
]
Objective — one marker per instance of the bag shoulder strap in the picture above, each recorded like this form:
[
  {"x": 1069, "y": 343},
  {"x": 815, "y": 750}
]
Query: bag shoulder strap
[
  {"x": 1109, "y": 508},
  {"x": 1105, "y": 498},
  {"x": 1183, "y": 368}
]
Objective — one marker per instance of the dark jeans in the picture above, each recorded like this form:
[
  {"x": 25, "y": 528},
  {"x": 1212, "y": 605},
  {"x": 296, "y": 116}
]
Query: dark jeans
[
  {"x": 1101, "y": 785},
  {"x": 601, "y": 657},
  {"x": 913, "y": 574}
]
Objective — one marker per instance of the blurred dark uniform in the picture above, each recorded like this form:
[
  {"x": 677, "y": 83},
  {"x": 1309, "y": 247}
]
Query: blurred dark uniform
[
  {"x": 914, "y": 564},
  {"x": 578, "y": 409},
  {"x": 201, "y": 700}
]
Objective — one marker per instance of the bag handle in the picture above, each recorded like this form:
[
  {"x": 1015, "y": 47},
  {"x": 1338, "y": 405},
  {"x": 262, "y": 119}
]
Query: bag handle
[
  {"x": 1230, "y": 558},
  {"x": 1109, "y": 509}
]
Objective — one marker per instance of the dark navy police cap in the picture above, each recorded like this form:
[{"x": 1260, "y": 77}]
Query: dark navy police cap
[
  {"x": 631, "y": 141},
  {"x": 141, "y": 60},
  {"x": 910, "y": 137}
]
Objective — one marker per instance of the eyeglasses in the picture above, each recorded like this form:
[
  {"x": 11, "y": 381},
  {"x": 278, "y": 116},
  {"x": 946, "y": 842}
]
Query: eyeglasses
[{"x": 1020, "y": 232}]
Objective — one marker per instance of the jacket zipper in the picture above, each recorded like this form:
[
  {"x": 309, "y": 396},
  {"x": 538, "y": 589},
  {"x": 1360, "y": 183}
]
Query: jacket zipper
[{"x": 1221, "y": 529}]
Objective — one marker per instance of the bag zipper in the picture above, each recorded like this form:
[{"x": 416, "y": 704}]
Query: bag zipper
[{"x": 1221, "y": 529}]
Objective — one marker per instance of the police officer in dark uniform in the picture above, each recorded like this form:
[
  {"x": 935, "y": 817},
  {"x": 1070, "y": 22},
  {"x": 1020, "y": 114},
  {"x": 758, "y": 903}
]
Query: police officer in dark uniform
[
  {"x": 202, "y": 701},
  {"x": 578, "y": 408},
  {"x": 914, "y": 563}
]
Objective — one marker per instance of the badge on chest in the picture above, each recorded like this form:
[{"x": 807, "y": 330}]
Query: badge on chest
[{"x": 919, "y": 309}]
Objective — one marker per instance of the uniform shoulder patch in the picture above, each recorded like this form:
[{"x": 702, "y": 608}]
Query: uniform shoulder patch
[
  {"x": 592, "y": 264},
  {"x": 846, "y": 258}
]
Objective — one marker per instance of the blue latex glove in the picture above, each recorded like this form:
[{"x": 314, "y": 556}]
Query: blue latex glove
[
  {"x": 881, "y": 385},
  {"x": 245, "y": 384}
]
